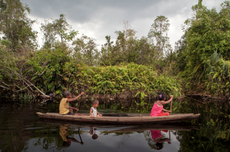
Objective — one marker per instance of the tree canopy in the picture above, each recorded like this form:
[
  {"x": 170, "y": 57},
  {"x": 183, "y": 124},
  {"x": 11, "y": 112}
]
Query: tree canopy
[{"x": 199, "y": 62}]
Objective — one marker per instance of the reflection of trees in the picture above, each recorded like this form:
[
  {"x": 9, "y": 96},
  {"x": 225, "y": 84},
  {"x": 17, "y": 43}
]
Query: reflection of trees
[
  {"x": 13, "y": 136},
  {"x": 191, "y": 141},
  {"x": 49, "y": 139},
  {"x": 15, "y": 131},
  {"x": 52, "y": 140},
  {"x": 13, "y": 140},
  {"x": 149, "y": 139},
  {"x": 17, "y": 139},
  {"x": 124, "y": 138},
  {"x": 214, "y": 133}
]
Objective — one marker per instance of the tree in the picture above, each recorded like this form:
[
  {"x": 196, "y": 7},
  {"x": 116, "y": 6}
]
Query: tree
[
  {"x": 128, "y": 31},
  {"x": 49, "y": 34},
  {"x": 208, "y": 32},
  {"x": 127, "y": 49},
  {"x": 85, "y": 50},
  {"x": 107, "y": 52},
  {"x": 15, "y": 25},
  {"x": 120, "y": 51},
  {"x": 57, "y": 28},
  {"x": 158, "y": 33},
  {"x": 203, "y": 53}
]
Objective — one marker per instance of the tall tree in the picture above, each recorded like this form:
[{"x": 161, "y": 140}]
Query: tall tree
[
  {"x": 107, "y": 52},
  {"x": 49, "y": 34},
  {"x": 15, "y": 25},
  {"x": 127, "y": 48},
  {"x": 203, "y": 53},
  {"x": 158, "y": 34},
  {"x": 85, "y": 50},
  {"x": 128, "y": 31},
  {"x": 58, "y": 28},
  {"x": 208, "y": 33}
]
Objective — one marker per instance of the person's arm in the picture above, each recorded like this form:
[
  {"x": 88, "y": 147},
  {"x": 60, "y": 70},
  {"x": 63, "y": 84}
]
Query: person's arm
[
  {"x": 73, "y": 99},
  {"x": 99, "y": 114},
  {"x": 73, "y": 108},
  {"x": 166, "y": 110},
  {"x": 90, "y": 112},
  {"x": 166, "y": 102}
]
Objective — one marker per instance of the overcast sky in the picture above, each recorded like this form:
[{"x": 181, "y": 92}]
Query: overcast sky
[{"x": 98, "y": 18}]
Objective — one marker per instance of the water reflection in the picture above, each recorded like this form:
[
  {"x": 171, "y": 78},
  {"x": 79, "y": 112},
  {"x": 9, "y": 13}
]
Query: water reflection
[
  {"x": 64, "y": 133},
  {"x": 93, "y": 132},
  {"x": 157, "y": 137},
  {"x": 22, "y": 130},
  {"x": 112, "y": 138}
]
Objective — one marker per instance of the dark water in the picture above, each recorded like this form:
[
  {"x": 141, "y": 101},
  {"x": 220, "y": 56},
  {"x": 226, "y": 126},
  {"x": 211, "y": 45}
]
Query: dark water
[{"x": 22, "y": 130}]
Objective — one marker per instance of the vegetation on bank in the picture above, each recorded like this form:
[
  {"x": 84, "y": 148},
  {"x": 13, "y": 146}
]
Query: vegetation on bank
[
  {"x": 202, "y": 55},
  {"x": 137, "y": 67},
  {"x": 63, "y": 72}
]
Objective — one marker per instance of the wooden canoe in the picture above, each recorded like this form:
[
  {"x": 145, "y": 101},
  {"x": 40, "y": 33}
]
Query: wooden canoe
[{"x": 123, "y": 119}]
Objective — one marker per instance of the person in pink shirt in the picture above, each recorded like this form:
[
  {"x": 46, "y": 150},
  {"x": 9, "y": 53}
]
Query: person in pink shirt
[
  {"x": 157, "y": 137},
  {"x": 157, "y": 109}
]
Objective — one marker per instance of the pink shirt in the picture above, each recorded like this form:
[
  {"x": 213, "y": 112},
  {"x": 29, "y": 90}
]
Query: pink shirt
[
  {"x": 156, "y": 110},
  {"x": 156, "y": 134}
]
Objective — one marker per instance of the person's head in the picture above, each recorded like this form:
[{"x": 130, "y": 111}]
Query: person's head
[
  {"x": 95, "y": 136},
  {"x": 161, "y": 96},
  {"x": 66, "y": 94},
  {"x": 159, "y": 146},
  {"x": 66, "y": 144},
  {"x": 95, "y": 103}
]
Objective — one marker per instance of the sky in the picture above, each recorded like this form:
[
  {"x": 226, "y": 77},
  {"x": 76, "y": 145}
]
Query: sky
[{"x": 98, "y": 18}]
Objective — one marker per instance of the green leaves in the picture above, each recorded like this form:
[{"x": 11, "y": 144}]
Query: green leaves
[
  {"x": 58, "y": 27},
  {"x": 127, "y": 49},
  {"x": 16, "y": 27},
  {"x": 204, "y": 50},
  {"x": 133, "y": 77}
]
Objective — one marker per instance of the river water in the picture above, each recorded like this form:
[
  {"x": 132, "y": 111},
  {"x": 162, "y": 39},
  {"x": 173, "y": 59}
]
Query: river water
[{"x": 22, "y": 130}]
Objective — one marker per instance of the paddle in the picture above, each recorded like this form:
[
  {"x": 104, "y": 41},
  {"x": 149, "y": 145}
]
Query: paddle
[
  {"x": 79, "y": 134},
  {"x": 169, "y": 137},
  {"x": 171, "y": 106},
  {"x": 169, "y": 130}
]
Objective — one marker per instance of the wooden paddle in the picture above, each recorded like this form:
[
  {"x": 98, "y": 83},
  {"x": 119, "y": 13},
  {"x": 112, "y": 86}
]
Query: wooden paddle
[
  {"x": 169, "y": 130},
  {"x": 169, "y": 137},
  {"x": 171, "y": 106},
  {"x": 79, "y": 134}
]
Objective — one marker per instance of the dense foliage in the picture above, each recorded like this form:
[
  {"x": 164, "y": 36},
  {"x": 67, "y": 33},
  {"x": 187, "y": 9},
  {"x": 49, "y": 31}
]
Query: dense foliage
[
  {"x": 202, "y": 55},
  {"x": 142, "y": 67},
  {"x": 56, "y": 70}
]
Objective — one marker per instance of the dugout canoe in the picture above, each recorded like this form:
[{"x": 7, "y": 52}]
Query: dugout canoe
[{"x": 120, "y": 118}]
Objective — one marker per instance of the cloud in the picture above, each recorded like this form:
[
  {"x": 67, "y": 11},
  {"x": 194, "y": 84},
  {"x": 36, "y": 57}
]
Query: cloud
[
  {"x": 86, "y": 10},
  {"x": 98, "y": 18}
]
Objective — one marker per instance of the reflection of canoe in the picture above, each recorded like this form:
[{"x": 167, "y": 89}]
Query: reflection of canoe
[
  {"x": 124, "y": 119},
  {"x": 172, "y": 126},
  {"x": 77, "y": 124},
  {"x": 179, "y": 126}
]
